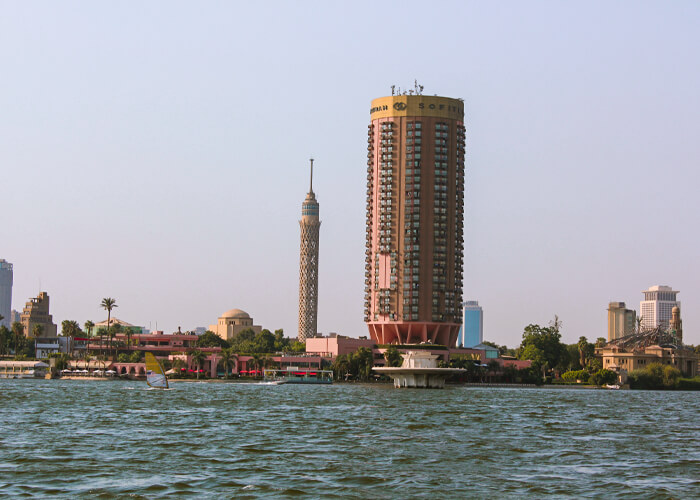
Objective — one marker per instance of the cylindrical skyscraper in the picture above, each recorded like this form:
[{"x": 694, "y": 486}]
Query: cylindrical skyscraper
[
  {"x": 308, "y": 263},
  {"x": 415, "y": 214}
]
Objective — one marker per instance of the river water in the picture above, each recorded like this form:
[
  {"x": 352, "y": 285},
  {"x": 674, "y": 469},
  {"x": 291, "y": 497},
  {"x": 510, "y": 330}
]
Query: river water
[{"x": 234, "y": 440}]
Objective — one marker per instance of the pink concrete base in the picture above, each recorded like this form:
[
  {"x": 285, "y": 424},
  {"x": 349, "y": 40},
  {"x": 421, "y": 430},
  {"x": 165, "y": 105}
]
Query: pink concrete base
[{"x": 413, "y": 332}]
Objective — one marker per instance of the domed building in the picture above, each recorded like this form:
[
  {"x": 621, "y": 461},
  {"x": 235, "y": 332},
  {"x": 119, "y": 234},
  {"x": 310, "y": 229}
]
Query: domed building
[{"x": 232, "y": 322}]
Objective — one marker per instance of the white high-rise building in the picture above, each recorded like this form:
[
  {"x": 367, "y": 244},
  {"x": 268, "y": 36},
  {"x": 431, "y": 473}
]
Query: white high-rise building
[
  {"x": 657, "y": 306},
  {"x": 5, "y": 292}
]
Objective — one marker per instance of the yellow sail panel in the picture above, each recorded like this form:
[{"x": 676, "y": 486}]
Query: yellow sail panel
[{"x": 155, "y": 376}]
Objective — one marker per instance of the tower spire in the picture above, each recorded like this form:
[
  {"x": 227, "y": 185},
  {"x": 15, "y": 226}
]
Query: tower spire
[{"x": 311, "y": 180}]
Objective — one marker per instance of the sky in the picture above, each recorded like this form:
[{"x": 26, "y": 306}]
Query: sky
[{"x": 157, "y": 153}]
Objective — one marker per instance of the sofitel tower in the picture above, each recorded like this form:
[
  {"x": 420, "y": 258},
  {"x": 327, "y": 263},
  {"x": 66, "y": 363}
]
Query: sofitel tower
[
  {"x": 308, "y": 263},
  {"x": 415, "y": 214}
]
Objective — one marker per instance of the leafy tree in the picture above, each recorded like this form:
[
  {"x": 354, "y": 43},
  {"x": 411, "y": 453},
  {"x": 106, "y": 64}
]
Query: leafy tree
[
  {"x": 297, "y": 346},
  {"x": 5, "y": 340},
  {"x": 574, "y": 357},
  {"x": 594, "y": 365},
  {"x": 604, "y": 376},
  {"x": 600, "y": 342},
  {"x": 393, "y": 356},
  {"x": 280, "y": 342},
  {"x": 136, "y": 357},
  {"x": 357, "y": 365},
  {"x": 210, "y": 339},
  {"x": 543, "y": 346},
  {"x": 573, "y": 376}
]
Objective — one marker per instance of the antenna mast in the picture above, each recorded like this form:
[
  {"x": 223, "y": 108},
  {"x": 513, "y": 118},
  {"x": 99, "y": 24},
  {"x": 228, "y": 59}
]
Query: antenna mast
[{"x": 311, "y": 180}]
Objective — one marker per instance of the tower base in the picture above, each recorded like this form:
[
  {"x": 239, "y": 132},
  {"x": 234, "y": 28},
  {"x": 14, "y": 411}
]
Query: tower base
[{"x": 413, "y": 332}]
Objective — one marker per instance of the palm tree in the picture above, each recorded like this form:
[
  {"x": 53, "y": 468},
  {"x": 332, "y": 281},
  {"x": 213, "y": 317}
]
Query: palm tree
[
  {"x": 37, "y": 330},
  {"x": 108, "y": 304},
  {"x": 86, "y": 358},
  {"x": 582, "y": 348},
  {"x": 227, "y": 356},
  {"x": 197, "y": 358},
  {"x": 89, "y": 325},
  {"x": 257, "y": 359},
  {"x": 113, "y": 331},
  {"x": 128, "y": 338},
  {"x": 18, "y": 331},
  {"x": 101, "y": 332},
  {"x": 639, "y": 320}
]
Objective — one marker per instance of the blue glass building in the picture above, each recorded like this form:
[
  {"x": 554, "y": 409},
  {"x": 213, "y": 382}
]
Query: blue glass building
[{"x": 472, "y": 331}]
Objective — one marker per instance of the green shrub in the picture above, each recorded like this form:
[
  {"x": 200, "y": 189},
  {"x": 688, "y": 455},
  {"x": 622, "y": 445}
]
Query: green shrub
[
  {"x": 689, "y": 384},
  {"x": 655, "y": 376},
  {"x": 604, "y": 376}
]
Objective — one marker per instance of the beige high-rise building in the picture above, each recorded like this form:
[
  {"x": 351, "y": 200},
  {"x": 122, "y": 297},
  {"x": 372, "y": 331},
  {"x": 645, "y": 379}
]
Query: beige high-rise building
[
  {"x": 36, "y": 312},
  {"x": 415, "y": 214},
  {"x": 309, "y": 226},
  {"x": 621, "y": 321}
]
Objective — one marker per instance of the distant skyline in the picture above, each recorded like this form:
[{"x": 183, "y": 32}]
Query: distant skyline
[{"x": 158, "y": 153}]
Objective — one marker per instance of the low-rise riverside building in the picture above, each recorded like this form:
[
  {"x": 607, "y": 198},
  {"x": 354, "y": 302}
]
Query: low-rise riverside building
[
  {"x": 45, "y": 346},
  {"x": 23, "y": 369},
  {"x": 103, "y": 325},
  {"x": 336, "y": 345},
  {"x": 639, "y": 350}
]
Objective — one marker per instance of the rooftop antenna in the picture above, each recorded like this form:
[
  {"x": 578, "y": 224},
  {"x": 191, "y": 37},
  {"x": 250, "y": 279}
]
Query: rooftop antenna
[
  {"x": 393, "y": 87},
  {"x": 311, "y": 180}
]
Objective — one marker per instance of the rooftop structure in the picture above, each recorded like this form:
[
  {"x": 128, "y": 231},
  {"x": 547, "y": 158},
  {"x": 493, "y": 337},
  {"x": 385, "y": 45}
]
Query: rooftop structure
[
  {"x": 309, "y": 226},
  {"x": 5, "y": 293},
  {"x": 415, "y": 205}
]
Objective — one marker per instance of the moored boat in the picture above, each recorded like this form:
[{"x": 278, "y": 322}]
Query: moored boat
[{"x": 296, "y": 375}]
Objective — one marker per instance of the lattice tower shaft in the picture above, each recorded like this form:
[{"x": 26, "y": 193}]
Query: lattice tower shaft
[{"x": 308, "y": 278}]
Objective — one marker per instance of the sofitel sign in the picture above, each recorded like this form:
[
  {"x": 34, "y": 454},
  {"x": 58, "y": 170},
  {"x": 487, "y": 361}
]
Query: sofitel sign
[{"x": 417, "y": 105}]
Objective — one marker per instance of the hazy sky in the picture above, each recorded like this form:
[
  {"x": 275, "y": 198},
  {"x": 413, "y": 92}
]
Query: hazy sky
[{"x": 157, "y": 153}]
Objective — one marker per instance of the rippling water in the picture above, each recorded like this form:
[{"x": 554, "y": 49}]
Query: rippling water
[{"x": 106, "y": 439}]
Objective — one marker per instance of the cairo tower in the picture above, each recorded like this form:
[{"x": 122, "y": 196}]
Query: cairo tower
[
  {"x": 308, "y": 263},
  {"x": 415, "y": 214}
]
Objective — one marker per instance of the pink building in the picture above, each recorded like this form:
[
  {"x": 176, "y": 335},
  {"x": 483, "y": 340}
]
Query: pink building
[{"x": 336, "y": 345}]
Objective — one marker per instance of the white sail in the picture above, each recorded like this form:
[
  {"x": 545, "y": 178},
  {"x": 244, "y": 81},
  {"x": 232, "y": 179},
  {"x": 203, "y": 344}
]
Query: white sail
[{"x": 155, "y": 376}]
